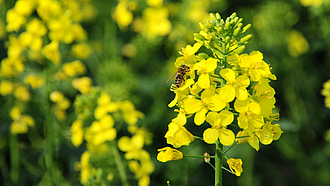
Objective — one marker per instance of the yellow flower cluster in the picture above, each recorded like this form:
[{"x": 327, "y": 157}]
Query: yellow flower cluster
[
  {"x": 222, "y": 88},
  {"x": 29, "y": 24},
  {"x": 154, "y": 21},
  {"x": 102, "y": 130},
  {"x": 20, "y": 122},
  {"x": 62, "y": 104}
]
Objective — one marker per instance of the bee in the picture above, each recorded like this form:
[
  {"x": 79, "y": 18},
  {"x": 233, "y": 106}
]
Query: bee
[{"x": 180, "y": 75}]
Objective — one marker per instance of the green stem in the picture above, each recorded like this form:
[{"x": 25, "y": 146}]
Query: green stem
[
  {"x": 49, "y": 130},
  {"x": 14, "y": 158},
  {"x": 119, "y": 163},
  {"x": 230, "y": 147},
  {"x": 195, "y": 156},
  {"x": 218, "y": 163}
]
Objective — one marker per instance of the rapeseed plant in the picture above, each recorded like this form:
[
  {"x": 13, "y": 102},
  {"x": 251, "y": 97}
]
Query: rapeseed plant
[{"x": 224, "y": 86}]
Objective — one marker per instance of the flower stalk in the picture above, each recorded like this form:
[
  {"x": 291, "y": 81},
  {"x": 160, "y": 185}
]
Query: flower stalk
[{"x": 218, "y": 163}]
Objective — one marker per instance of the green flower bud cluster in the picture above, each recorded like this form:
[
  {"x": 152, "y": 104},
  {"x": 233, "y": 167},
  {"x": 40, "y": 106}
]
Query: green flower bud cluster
[{"x": 220, "y": 33}]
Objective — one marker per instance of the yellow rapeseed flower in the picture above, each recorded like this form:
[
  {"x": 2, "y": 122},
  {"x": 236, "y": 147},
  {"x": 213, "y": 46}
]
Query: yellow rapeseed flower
[
  {"x": 22, "y": 93},
  {"x": 83, "y": 84},
  {"x": 168, "y": 154},
  {"x": 35, "y": 81},
  {"x": 74, "y": 68},
  {"x": 177, "y": 135},
  {"x": 297, "y": 43},
  {"x": 235, "y": 166},
  {"x": 77, "y": 133},
  {"x": 6, "y": 87},
  {"x": 52, "y": 53}
]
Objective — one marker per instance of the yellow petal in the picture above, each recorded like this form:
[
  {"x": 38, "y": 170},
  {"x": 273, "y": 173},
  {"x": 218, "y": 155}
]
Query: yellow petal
[
  {"x": 192, "y": 105},
  {"x": 227, "y": 117},
  {"x": 254, "y": 142},
  {"x": 213, "y": 118},
  {"x": 228, "y": 74},
  {"x": 241, "y": 93},
  {"x": 210, "y": 135},
  {"x": 227, "y": 93},
  {"x": 204, "y": 81},
  {"x": 226, "y": 136},
  {"x": 200, "y": 116}
]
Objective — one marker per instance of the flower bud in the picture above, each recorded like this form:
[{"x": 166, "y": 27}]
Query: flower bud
[
  {"x": 213, "y": 18},
  {"x": 237, "y": 31},
  {"x": 199, "y": 37},
  {"x": 202, "y": 26},
  {"x": 227, "y": 25},
  {"x": 246, "y": 28},
  {"x": 203, "y": 55},
  {"x": 246, "y": 38},
  {"x": 217, "y": 15},
  {"x": 233, "y": 15},
  {"x": 227, "y": 39},
  {"x": 219, "y": 30},
  {"x": 240, "y": 49}
]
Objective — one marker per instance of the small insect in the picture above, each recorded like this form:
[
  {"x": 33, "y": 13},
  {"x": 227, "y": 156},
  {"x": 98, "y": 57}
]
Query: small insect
[{"x": 180, "y": 75}]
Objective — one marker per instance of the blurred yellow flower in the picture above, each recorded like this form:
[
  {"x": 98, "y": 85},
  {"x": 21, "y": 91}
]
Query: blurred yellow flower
[
  {"x": 155, "y": 3},
  {"x": 81, "y": 50},
  {"x": 74, "y": 68},
  {"x": 130, "y": 114},
  {"x": 101, "y": 131},
  {"x": 82, "y": 84},
  {"x": 47, "y": 9},
  {"x": 155, "y": 22},
  {"x": 122, "y": 15},
  {"x": 52, "y": 53},
  {"x": 22, "y": 93},
  {"x": 6, "y": 87},
  {"x": 77, "y": 133},
  {"x": 21, "y": 122},
  {"x": 56, "y": 96},
  {"x": 297, "y": 43},
  {"x": 14, "y": 20},
  {"x": 314, "y": 3},
  {"x": 235, "y": 166},
  {"x": 25, "y": 7},
  {"x": 85, "y": 167},
  {"x": 132, "y": 146},
  {"x": 35, "y": 81}
]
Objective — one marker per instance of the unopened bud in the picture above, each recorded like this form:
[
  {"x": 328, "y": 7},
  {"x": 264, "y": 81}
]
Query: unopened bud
[
  {"x": 219, "y": 30},
  {"x": 202, "y": 26},
  {"x": 199, "y": 37},
  {"x": 227, "y": 39},
  {"x": 233, "y": 15},
  {"x": 213, "y": 18},
  {"x": 240, "y": 49},
  {"x": 246, "y": 28},
  {"x": 235, "y": 20},
  {"x": 240, "y": 20},
  {"x": 203, "y": 55},
  {"x": 237, "y": 31},
  {"x": 227, "y": 25},
  {"x": 217, "y": 15},
  {"x": 246, "y": 38}
]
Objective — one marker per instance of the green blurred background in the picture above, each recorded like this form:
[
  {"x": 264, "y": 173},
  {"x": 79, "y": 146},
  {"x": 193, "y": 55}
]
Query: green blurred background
[{"x": 295, "y": 40}]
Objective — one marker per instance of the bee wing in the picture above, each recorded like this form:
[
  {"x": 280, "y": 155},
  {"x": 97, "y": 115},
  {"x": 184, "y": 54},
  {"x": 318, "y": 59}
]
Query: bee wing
[{"x": 172, "y": 76}]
